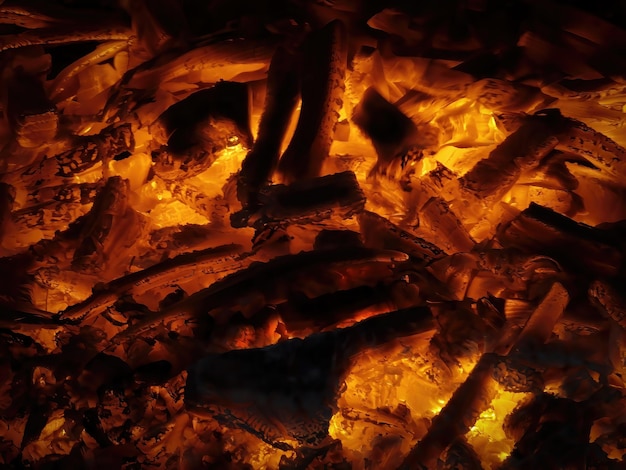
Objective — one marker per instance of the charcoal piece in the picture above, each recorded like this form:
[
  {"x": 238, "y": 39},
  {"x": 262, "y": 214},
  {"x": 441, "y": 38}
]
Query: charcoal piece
[
  {"x": 304, "y": 202},
  {"x": 443, "y": 224},
  {"x": 37, "y": 420},
  {"x": 280, "y": 103},
  {"x": 7, "y": 198},
  {"x": 514, "y": 376},
  {"x": 540, "y": 230},
  {"x": 33, "y": 118},
  {"x": 391, "y": 131},
  {"x": 492, "y": 177},
  {"x": 474, "y": 395},
  {"x": 111, "y": 224},
  {"x": 379, "y": 232},
  {"x": 83, "y": 193},
  {"x": 154, "y": 373},
  {"x": 324, "y": 60},
  {"x": 328, "y": 239},
  {"x": 610, "y": 300},
  {"x": 460, "y": 456},
  {"x": 289, "y": 390},
  {"x": 85, "y": 153},
  {"x": 168, "y": 272},
  {"x": 194, "y": 130},
  {"x": 557, "y": 439},
  {"x": 303, "y": 314}
]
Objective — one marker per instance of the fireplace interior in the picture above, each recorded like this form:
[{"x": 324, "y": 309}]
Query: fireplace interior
[{"x": 299, "y": 234}]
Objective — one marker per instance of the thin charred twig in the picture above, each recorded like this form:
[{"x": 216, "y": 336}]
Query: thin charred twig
[
  {"x": 324, "y": 59},
  {"x": 224, "y": 258},
  {"x": 61, "y": 35},
  {"x": 303, "y": 202},
  {"x": 475, "y": 394},
  {"x": 280, "y": 103}
]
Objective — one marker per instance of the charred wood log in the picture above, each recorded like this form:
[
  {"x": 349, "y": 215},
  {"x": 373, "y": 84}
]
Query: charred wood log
[
  {"x": 324, "y": 60},
  {"x": 169, "y": 272},
  {"x": 193, "y": 131},
  {"x": 33, "y": 118},
  {"x": 476, "y": 393},
  {"x": 540, "y": 230},
  {"x": 379, "y": 232},
  {"x": 287, "y": 391},
  {"x": 303, "y": 202},
  {"x": 391, "y": 131},
  {"x": 268, "y": 283},
  {"x": 280, "y": 103}
]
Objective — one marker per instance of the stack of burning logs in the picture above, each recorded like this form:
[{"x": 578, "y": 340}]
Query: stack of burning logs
[{"x": 215, "y": 215}]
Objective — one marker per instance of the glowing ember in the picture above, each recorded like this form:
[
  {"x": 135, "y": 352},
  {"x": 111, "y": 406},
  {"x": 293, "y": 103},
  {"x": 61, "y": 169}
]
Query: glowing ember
[{"x": 320, "y": 235}]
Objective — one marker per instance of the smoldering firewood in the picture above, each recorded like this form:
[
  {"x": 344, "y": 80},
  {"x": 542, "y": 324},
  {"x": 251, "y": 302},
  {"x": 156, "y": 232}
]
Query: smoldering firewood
[
  {"x": 50, "y": 208},
  {"x": 85, "y": 153},
  {"x": 390, "y": 130},
  {"x": 32, "y": 117},
  {"x": 193, "y": 131},
  {"x": 288, "y": 391},
  {"x": 492, "y": 177},
  {"x": 329, "y": 239},
  {"x": 505, "y": 96},
  {"x": 7, "y": 199},
  {"x": 379, "y": 232},
  {"x": 193, "y": 197},
  {"x": 268, "y": 282},
  {"x": 556, "y": 436},
  {"x": 324, "y": 61},
  {"x": 514, "y": 376},
  {"x": 610, "y": 300},
  {"x": 475, "y": 394},
  {"x": 110, "y": 227},
  {"x": 440, "y": 221},
  {"x": 304, "y": 202},
  {"x": 301, "y": 314},
  {"x": 173, "y": 271},
  {"x": 538, "y": 229},
  {"x": 280, "y": 103}
]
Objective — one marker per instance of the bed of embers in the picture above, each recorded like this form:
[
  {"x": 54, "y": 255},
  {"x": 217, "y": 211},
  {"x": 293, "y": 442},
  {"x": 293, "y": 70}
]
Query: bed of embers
[{"x": 312, "y": 234}]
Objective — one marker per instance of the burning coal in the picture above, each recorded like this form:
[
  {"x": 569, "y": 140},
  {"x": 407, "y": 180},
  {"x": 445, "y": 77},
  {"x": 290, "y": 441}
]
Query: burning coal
[{"x": 311, "y": 234}]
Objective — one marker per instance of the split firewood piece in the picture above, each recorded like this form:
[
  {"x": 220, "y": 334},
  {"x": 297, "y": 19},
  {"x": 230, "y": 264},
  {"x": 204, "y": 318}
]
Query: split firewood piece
[
  {"x": 304, "y": 202},
  {"x": 193, "y": 131},
  {"x": 391, "y": 131},
  {"x": 610, "y": 300},
  {"x": 474, "y": 396},
  {"x": 287, "y": 392},
  {"x": 211, "y": 261},
  {"x": 280, "y": 103},
  {"x": 109, "y": 229},
  {"x": 379, "y": 232},
  {"x": 85, "y": 153},
  {"x": 491, "y": 178},
  {"x": 268, "y": 283},
  {"x": 324, "y": 59},
  {"x": 33, "y": 118},
  {"x": 540, "y": 230}
]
